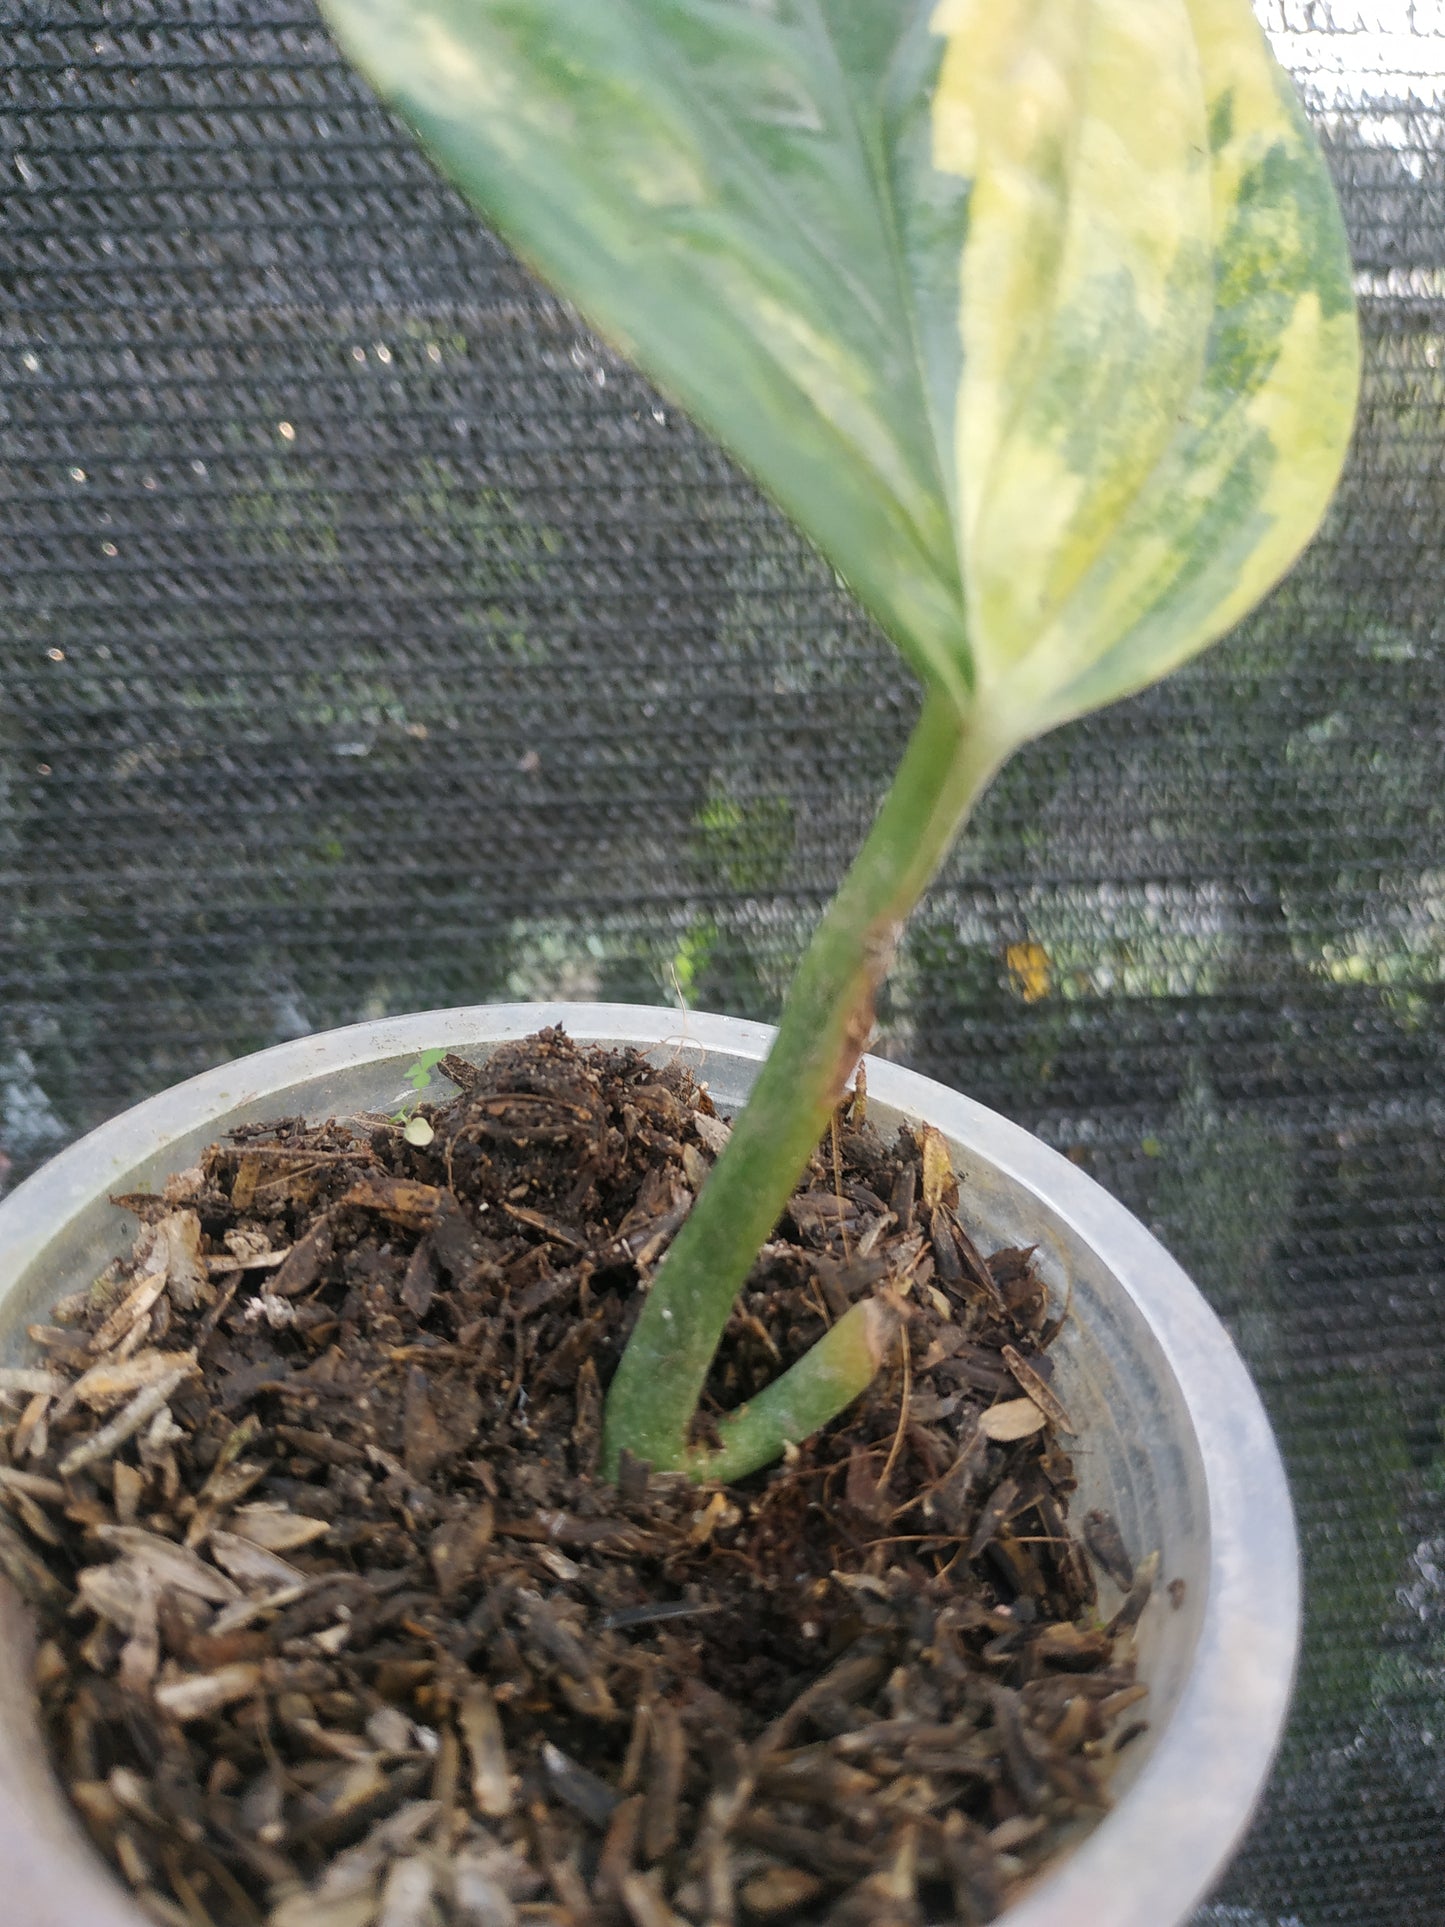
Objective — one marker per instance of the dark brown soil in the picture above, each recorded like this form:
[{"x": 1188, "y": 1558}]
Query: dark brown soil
[{"x": 338, "y": 1627}]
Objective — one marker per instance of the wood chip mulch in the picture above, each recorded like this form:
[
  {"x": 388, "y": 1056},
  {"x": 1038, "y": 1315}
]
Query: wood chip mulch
[{"x": 338, "y": 1629}]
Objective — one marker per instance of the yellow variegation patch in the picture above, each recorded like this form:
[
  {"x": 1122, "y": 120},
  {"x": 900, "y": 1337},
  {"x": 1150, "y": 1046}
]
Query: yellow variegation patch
[
  {"x": 1158, "y": 355},
  {"x": 1085, "y": 285}
]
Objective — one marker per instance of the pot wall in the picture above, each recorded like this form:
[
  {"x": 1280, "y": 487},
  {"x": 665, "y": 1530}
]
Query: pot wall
[{"x": 1173, "y": 1440}]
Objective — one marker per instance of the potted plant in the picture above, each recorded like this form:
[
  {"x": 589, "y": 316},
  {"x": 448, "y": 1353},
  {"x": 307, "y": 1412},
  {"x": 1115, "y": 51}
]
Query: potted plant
[
  {"x": 1038, "y": 320},
  {"x": 1178, "y": 1449},
  {"x": 1040, "y": 323}
]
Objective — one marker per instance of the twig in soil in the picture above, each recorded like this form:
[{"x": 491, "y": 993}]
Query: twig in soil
[{"x": 903, "y": 1403}]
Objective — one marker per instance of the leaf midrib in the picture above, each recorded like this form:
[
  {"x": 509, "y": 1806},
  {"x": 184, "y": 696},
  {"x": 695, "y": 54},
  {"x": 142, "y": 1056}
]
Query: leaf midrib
[
  {"x": 722, "y": 129},
  {"x": 887, "y": 214}
]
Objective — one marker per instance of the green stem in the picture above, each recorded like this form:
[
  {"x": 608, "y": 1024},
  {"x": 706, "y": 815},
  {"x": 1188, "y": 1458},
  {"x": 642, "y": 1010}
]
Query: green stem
[{"x": 825, "y": 1027}]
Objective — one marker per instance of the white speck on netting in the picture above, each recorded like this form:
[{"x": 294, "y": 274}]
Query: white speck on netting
[
  {"x": 1425, "y": 1595},
  {"x": 358, "y": 353},
  {"x": 1223, "y": 1915},
  {"x": 27, "y": 1119},
  {"x": 56, "y": 655},
  {"x": 433, "y": 349},
  {"x": 32, "y": 362},
  {"x": 77, "y": 475},
  {"x": 109, "y": 548},
  {"x": 383, "y": 353},
  {"x": 198, "y": 467},
  {"x": 286, "y": 431}
]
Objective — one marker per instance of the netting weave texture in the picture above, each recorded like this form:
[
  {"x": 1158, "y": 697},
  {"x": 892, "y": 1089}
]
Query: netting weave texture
[{"x": 372, "y": 639}]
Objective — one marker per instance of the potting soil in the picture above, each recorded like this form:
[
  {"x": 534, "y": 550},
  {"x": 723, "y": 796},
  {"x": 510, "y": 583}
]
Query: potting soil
[{"x": 338, "y": 1624}]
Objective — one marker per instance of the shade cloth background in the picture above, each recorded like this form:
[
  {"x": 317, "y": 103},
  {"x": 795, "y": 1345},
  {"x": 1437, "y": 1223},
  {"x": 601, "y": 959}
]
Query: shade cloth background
[{"x": 372, "y": 639}]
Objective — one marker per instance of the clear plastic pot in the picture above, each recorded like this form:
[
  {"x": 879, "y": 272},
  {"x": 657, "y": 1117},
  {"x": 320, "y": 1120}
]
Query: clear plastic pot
[{"x": 1172, "y": 1439}]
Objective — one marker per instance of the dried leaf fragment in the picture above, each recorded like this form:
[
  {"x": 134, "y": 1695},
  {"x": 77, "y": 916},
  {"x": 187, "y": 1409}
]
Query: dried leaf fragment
[
  {"x": 170, "y": 1564},
  {"x": 30, "y": 1576},
  {"x": 406, "y": 1896},
  {"x": 129, "y": 1312},
  {"x": 583, "y": 1791},
  {"x": 178, "y": 1237},
  {"x": 229, "y": 1480},
  {"x": 402, "y": 1200},
  {"x": 479, "y": 1900},
  {"x": 31, "y": 1381},
  {"x": 1015, "y": 1418},
  {"x": 302, "y": 1264},
  {"x": 275, "y": 1528},
  {"x": 1033, "y": 1385},
  {"x": 457, "y": 1545},
  {"x": 167, "y": 1256},
  {"x": 356, "y": 1869},
  {"x": 424, "y": 1439},
  {"x": 141, "y": 1654},
  {"x": 481, "y": 1728},
  {"x": 662, "y": 1787},
  {"x": 308, "y": 1909},
  {"x": 1105, "y": 1541},
  {"x": 939, "y": 1184},
  {"x": 109, "y": 1380},
  {"x": 779, "y": 1890},
  {"x": 198, "y": 1695},
  {"x": 116, "y": 1592},
  {"x": 143, "y": 1407},
  {"x": 1138, "y": 1595},
  {"x": 48, "y": 1491},
  {"x": 642, "y": 1897},
  {"x": 31, "y": 1437},
  {"x": 252, "y": 1565}
]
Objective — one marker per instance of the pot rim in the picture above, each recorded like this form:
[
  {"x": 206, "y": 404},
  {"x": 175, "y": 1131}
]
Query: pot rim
[{"x": 1209, "y": 1764}]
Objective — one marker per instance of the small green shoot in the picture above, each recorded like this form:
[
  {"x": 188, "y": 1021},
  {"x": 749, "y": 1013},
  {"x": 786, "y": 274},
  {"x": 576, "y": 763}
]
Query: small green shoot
[{"x": 418, "y": 1074}]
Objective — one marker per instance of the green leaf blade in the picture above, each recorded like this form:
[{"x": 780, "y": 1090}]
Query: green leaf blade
[
  {"x": 709, "y": 182},
  {"x": 1034, "y": 314}
]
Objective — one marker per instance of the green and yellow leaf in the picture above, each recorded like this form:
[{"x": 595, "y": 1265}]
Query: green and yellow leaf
[
  {"x": 1203, "y": 524},
  {"x": 1035, "y": 314}
]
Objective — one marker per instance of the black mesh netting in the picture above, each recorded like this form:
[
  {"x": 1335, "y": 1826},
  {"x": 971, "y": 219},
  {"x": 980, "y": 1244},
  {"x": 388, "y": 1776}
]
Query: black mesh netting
[{"x": 374, "y": 640}]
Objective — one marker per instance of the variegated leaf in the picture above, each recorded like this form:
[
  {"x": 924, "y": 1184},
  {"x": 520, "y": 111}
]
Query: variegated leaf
[
  {"x": 1101, "y": 552},
  {"x": 1035, "y": 314}
]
